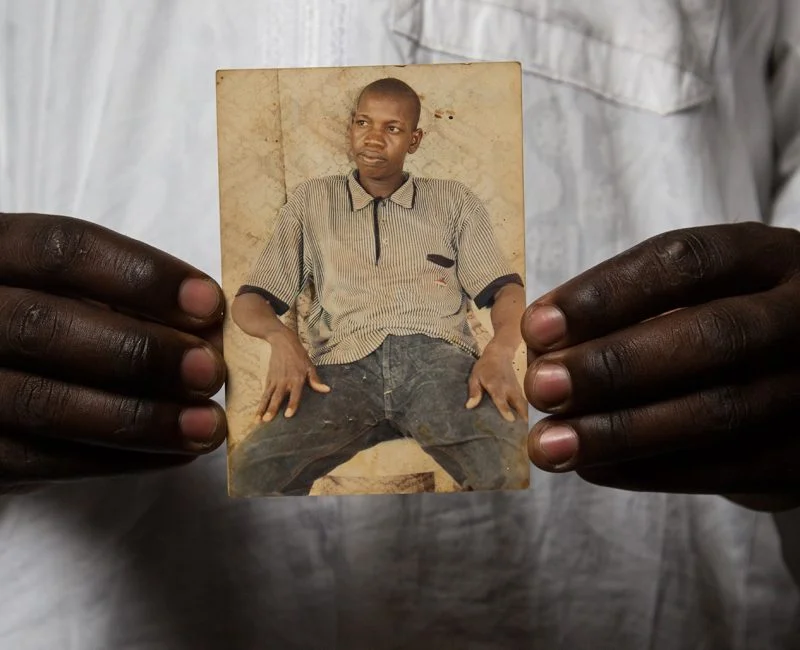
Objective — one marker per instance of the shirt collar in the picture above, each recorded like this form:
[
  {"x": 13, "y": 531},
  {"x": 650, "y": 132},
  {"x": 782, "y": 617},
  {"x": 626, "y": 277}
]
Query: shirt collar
[{"x": 360, "y": 198}]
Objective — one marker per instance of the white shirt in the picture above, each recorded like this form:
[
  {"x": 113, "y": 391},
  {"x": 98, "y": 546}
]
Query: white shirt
[{"x": 640, "y": 117}]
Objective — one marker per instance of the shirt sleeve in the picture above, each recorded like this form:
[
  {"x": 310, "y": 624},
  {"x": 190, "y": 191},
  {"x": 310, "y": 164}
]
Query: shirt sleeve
[
  {"x": 785, "y": 100},
  {"x": 279, "y": 274},
  {"x": 482, "y": 269}
]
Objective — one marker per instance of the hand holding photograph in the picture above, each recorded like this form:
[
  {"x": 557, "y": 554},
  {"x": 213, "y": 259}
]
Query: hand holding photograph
[{"x": 373, "y": 234}]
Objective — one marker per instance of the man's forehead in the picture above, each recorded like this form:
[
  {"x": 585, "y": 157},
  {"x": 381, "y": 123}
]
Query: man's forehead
[{"x": 400, "y": 103}]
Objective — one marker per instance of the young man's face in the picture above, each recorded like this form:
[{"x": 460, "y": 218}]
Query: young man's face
[{"x": 382, "y": 133}]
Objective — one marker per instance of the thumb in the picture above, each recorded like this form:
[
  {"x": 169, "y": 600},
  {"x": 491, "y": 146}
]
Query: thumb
[
  {"x": 475, "y": 392},
  {"x": 316, "y": 383}
]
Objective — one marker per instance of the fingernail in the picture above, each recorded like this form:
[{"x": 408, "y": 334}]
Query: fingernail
[
  {"x": 546, "y": 325},
  {"x": 199, "y": 298},
  {"x": 551, "y": 385},
  {"x": 200, "y": 369},
  {"x": 289, "y": 412},
  {"x": 199, "y": 424},
  {"x": 559, "y": 444}
]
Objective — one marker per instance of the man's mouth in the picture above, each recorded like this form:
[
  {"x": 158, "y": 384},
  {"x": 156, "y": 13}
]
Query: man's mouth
[{"x": 371, "y": 158}]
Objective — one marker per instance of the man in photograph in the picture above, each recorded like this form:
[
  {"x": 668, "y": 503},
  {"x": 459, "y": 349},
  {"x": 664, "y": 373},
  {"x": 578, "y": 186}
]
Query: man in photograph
[{"x": 394, "y": 260}]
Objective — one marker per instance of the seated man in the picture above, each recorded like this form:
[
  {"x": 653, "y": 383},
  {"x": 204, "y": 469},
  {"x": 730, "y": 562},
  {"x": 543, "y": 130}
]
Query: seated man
[{"x": 394, "y": 260}]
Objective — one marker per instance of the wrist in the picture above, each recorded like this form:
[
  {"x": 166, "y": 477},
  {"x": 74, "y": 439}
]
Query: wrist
[
  {"x": 277, "y": 334},
  {"x": 502, "y": 348}
]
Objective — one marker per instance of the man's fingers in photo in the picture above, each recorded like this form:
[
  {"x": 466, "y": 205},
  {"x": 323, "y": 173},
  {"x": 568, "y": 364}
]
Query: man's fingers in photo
[
  {"x": 79, "y": 342},
  {"x": 293, "y": 403},
  {"x": 719, "y": 415},
  {"x": 672, "y": 270},
  {"x": 500, "y": 398},
  {"x": 474, "y": 392},
  {"x": 263, "y": 403},
  {"x": 276, "y": 399},
  {"x": 32, "y": 405},
  {"x": 500, "y": 391},
  {"x": 75, "y": 257},
  {"x": 316, "y": 383},
  {"x": 518, "y": 402}
]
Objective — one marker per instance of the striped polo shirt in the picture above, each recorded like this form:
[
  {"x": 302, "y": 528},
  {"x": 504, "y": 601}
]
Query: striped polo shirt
[{"x": 404, "y": 264}]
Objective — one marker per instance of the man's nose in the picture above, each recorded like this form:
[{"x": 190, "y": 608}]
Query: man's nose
[{"x": 374, "y": 137}]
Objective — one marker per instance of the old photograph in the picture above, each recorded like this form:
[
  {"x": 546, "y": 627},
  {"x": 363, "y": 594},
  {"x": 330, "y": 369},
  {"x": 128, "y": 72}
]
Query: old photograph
[{"x": 373, "y": 264}]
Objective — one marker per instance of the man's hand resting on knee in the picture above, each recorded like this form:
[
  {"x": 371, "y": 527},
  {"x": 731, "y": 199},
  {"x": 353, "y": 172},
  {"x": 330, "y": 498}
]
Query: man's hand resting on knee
[
  {"x": 494, "y": 371},
  {"x": 290, "y": 369}
]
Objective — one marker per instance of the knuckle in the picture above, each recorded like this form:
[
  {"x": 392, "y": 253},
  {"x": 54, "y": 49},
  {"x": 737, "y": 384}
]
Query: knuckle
[
  {"x": 591, "y": 297},
  {"x": 58, "y": 245},
  {"x": 722, "y": 410},
  {"x": 609, "y": 365},
  {"x": 32, "y": 325},
  {"x": 718, "y": 329},
  {"x": 683, "y": 254},
  {"x": 612, "y": 438},
  {"x": 139, "y": 354},
  {"x": 38, "y": 404},
  {"x": 135, "y": 416},
  {"x": 140, "y": 272}
]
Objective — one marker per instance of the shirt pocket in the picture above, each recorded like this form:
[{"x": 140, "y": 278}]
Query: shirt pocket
[{"x": 654, "y": 55}]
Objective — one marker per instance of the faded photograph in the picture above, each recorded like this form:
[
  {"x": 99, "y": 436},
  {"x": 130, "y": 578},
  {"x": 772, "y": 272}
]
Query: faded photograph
[{"x": 372, "y": 334}]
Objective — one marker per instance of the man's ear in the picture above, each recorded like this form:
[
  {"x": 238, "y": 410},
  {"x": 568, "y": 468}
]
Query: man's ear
[{"x": 416, "y": 138}]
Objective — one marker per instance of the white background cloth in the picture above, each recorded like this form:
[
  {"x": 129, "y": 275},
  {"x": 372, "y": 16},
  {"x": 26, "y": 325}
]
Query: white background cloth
[{"x": 640, "y": 117}]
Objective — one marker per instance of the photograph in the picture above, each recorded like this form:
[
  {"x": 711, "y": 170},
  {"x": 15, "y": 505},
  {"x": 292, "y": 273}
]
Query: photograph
[{"x": 373, "y": 263}]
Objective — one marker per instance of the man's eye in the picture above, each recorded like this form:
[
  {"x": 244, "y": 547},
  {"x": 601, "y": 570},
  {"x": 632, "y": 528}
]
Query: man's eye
[{"x": 393, "y": 129}]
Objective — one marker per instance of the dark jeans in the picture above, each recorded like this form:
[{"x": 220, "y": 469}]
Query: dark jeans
[{"x": 411, "y": 386}]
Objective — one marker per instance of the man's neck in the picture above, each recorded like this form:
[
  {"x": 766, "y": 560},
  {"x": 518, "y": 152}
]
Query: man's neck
[{"x": 381, "y": 187}]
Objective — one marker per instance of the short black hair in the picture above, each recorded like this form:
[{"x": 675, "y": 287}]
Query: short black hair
[{"x": 396, "y": 87}]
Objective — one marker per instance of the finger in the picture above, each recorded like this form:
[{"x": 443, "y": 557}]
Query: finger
[
  {"x": 32, "y": 460},
  {"x": 677, "y": 353},
  {"x": 75, "y": 341},
  {"x": 75, "y": 257},
  {"x": 276, "y": 399},
  {"x": 316, "y": 383},
  {"x": 474, "y": 392},
  {"x": 499, "y": 398},
  {"x": 294, "y": 399},
  {"x": 263, "y": 403},
  {"x": 746, "y": 469},
  {"x": 517, "y": 401},
  {"x": 38, "y": 406},
  {"x": 712, "y": 416},
  {"x": 214, "y": 337},
  {"x": 676, "y": 269}
]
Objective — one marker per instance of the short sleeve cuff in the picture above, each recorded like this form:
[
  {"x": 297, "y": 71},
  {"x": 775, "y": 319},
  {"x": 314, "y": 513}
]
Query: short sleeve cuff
[
  {"x": 486, "y": 297},
  {"x": 277, "y": 304}
]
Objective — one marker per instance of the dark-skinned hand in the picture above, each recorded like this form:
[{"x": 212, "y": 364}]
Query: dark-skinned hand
[
  {"x": 106, "y": 360},
  {"x": 674, "y": 367}
]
